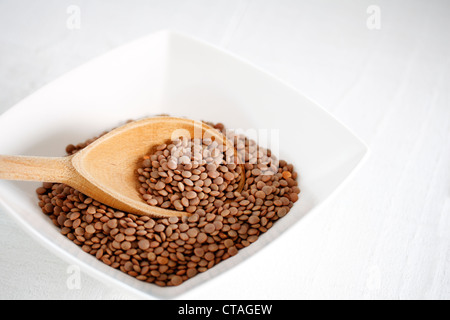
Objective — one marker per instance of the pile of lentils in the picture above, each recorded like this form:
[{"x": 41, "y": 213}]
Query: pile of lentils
[{"x": 222, "y": 219}]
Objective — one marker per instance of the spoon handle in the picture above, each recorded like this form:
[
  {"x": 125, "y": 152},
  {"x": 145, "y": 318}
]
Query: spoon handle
[{"x": 41, "y": 169}]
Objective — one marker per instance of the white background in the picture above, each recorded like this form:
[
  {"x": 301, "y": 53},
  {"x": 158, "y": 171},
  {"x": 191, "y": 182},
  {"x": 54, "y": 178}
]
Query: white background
[{"x": 386, "y": 235}]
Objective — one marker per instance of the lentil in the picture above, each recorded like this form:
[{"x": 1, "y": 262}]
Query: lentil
[{"x": 186, "y": 176}]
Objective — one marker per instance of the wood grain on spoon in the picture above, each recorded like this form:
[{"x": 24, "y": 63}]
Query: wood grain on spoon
[{"x": 106, "y": 169}]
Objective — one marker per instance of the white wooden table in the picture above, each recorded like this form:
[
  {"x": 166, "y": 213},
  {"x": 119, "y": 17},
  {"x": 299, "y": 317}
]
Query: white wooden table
[{"x": 385, "y": 236}]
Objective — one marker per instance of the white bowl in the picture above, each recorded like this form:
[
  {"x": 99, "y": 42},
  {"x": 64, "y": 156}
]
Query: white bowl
[{"x": 173, "y": 74}]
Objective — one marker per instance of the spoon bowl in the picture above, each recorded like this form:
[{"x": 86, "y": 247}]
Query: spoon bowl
[{"x": 106, "y": 169}]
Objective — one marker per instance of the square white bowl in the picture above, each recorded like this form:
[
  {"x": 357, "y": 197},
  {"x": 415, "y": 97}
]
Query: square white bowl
[{"x": 173, "y": 74}]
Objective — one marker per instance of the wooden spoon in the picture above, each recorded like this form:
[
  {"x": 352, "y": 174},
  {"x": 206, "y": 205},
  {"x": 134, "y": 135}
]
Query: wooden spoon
[{"x": 106, "y": 169}]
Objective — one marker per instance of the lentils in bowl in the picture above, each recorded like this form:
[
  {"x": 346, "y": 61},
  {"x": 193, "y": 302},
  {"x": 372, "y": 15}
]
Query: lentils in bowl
[{"x": 195, "y": 176}]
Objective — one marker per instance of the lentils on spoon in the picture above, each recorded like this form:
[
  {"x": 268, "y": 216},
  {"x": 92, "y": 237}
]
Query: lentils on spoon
[{"x": 188, "y": 175}]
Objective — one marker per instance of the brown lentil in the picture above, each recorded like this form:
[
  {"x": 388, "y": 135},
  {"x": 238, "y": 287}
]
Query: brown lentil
[{"x": 168, "y": 252}]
